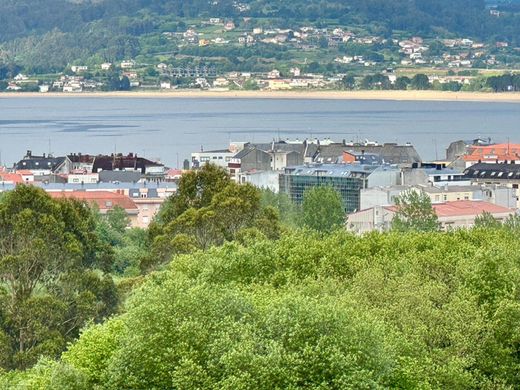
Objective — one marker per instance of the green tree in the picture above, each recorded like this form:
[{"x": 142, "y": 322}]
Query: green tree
[
  {"x": 207, "y": 210},
  {"x": 51, "y": 271},
  {"x": 414, "y": 212},
  {"x": 420, "y": 81},
  {"x": 348, "y": 82},
  {"x": 322, "y": 209}
]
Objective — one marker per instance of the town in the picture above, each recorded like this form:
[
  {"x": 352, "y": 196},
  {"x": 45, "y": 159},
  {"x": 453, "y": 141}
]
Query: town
[
  {"x": 203, "y": 56},
  {"x": 476, "y": 176}
]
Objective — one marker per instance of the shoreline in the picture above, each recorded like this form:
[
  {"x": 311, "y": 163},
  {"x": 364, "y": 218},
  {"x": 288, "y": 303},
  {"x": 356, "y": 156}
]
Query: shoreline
[{"x": 443, "y": 96}]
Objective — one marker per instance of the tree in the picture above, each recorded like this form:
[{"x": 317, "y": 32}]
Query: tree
[
  {"x": 349, "y": 82},
  {"x": 420, "y": 81},
  {"x": 51, "y": 271},
  {"x": 402, "y": 82},
  {"x": 322, "y": 209},
  {"x": 208, "y": 210},
  {"x": 414, "y": 212}
]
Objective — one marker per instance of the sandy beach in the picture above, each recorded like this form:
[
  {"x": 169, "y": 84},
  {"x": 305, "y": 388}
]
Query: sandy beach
[{"x": 332, "y": 95}]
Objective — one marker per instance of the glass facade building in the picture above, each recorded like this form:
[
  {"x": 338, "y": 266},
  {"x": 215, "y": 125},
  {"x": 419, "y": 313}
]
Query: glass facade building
[{"x": 348, "y": 180}]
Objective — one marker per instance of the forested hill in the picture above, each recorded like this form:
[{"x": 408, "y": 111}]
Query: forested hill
[
  {"x": 23, "y": 17},
  {"x": 45, "y": 36}
]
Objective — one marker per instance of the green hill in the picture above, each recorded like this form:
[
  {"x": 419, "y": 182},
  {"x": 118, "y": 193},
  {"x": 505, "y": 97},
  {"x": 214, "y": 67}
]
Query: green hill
[{"x": 46, "y": 35}]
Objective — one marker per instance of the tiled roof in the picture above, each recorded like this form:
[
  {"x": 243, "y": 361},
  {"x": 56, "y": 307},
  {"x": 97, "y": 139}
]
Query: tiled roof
[
  {"x": 105, "y": 200},
  {"x": 11, "y": 177},
  {"x": 464, "y": 208},
  {"x": 499, "y": 171},
  {"x": 493, "y": 152}
]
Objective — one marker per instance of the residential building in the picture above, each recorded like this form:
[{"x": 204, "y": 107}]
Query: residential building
[
  {"x": 104, "y": 201},
  {"x": 390, "y": 153},
  {"x": 220, "y": 158},
  {"x": 457, "y": 214},
  {"x": 432, "y": 174},
  {"x": 44, "y": 165}
]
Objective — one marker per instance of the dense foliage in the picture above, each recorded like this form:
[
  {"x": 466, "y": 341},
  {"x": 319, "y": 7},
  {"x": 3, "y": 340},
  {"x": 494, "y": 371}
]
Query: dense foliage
[
  {"x": 415, "y": 310},
  {"x": 207, "y": 210},
  {"x": 53, "y": 275}
]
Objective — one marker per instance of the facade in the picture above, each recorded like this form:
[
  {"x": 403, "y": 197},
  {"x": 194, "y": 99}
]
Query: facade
[
  {"x": 451, "y": 215},
  {"x": 433, "y": 174},
  {"x": 104, "y": 200},
  {"x": 347, "y": 179},
  {"x": 220, "y": 158}
]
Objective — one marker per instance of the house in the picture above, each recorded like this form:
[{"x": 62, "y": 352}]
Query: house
[
  {"x": 432, "y": 174},
  {"x": 494, "y": 173},
  {"x": 79, "y": 68},
  {"x": 219, "y": 157},
  {"x": 44, "y": 88},
  {"x": 274, "y": 74},
  {"x": 220, "y": 82},
  {"x": 229, "y": 25},
  {"x": 248, "y": 159},
  {"x": 104, "y": 201},
  {"x": 44, "y": 165},
  {"x": 81, "y": 162},
  {"x": 496, "y": 153},
  {"x": 165, "y": 85},
  {"x": 130, "y": 162},
  {"x": 106, "y": 66},
  {"x": 457, "y": 214},
  {"x": 127, "y": 64}
]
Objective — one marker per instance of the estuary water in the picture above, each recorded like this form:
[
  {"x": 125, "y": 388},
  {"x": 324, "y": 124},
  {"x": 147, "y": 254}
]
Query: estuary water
[{"x": 170, "y": 129}]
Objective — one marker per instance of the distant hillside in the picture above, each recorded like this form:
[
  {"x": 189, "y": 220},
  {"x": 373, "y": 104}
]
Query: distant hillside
[{"x": 47, "y": 35}]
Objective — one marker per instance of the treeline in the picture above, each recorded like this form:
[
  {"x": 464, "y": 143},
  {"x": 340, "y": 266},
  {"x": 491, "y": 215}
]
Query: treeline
[{"x": 504, "y": 83}]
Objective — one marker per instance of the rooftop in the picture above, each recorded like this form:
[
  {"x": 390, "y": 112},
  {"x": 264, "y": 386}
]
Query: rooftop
[
  {"x": 105, "y": 200},
  {"x": 336, "y": 170},
  {"x": 464, "y": 208}
]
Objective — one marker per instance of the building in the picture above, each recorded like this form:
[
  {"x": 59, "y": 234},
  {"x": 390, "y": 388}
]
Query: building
[
  {"x": 351, "y": 157},
  {"x": 347, "y": 179},
  {"x": 432, "y": 174},
  {"x": 44, "y": 165},
  {"x": 457, "y": 214},
  {"x": 496, "y": 173},
  {"x": 150, "y": 170},
  {"x": 389, "y": 153},
  {"x": 385, "y": 196},
  {"x": 220, "y": 158},
  {"x": 104, "y": 201},
  {"x": 499, "y": 153}
]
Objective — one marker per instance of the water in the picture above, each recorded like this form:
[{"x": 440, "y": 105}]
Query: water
[{"x": 172, "y": 128}]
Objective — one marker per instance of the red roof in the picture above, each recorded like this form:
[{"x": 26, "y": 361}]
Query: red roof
[
  {"x": 464, "y": 208},
  {"x": 11, "y": 177},
  {"x": 493, "y": 152},
  {"x": 106, "y": 200}
]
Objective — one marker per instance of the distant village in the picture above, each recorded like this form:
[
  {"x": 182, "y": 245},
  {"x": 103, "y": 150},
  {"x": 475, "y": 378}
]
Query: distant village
[
  {"x": 476, "y": 176},
  {"x": 444, "y": 61}
]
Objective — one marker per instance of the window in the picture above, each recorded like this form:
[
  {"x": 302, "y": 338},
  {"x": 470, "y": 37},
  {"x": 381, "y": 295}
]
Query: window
[
  {"x": 108, "y": 203},
  {"x": 445, "y": 197},
  {"x": 146, "y": 219}
]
